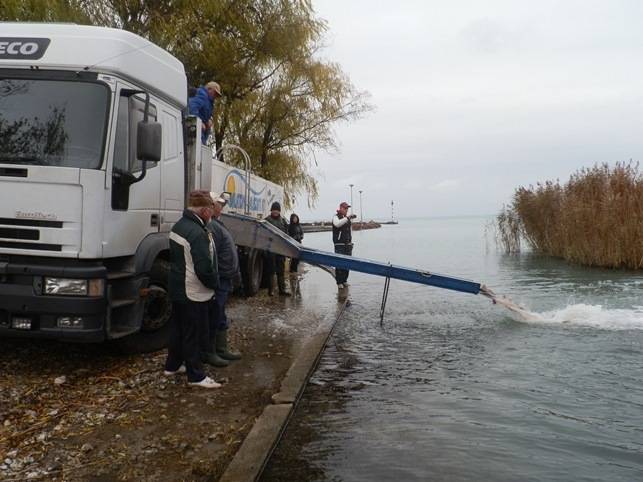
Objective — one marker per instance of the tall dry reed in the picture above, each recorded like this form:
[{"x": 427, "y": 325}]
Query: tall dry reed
[{"x": 595, "y": 219}]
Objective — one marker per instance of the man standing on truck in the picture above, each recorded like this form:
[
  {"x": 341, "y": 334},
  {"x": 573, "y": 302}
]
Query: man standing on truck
[
  {"x": 217, "y": 352},
  {"x": 202, "y": 106},
  {"x": 342, "y": 239},
  {"x": 192, "y": 283},
  {"x": 275, "y": 262}
]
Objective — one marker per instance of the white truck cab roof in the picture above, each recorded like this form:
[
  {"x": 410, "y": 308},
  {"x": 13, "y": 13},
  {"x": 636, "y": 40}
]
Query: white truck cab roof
[{"x": 95, "y": 49}]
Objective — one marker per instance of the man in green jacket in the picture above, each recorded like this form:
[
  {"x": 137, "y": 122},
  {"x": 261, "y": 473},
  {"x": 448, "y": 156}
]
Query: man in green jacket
[{"x": 192, "y": 283}]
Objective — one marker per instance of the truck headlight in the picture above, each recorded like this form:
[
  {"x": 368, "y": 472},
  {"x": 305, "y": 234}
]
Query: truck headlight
[
  {"x": 65, "y": 286},
  {"x": 74, "y": 287}
]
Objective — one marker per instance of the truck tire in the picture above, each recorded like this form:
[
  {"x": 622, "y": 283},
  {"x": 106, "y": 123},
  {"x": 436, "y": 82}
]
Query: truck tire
[
  {"x": 155, "y": 326},
  {"x": 252, "y": 272}
]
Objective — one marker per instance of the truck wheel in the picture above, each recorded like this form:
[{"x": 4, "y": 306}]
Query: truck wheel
[
  {"x": 155, "y": 326},
  {"x": 252, "y": 272}
]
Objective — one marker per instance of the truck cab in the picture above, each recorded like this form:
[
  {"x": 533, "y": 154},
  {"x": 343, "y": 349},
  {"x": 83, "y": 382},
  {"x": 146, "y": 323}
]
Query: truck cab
[{"x": 84, "y": 220}]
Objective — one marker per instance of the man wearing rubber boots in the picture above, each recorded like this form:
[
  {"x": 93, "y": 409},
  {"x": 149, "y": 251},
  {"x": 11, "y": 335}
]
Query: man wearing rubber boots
[
  {"x": 342, "y": 239},
  {"x": 215, "y": 350},
  {"x": 275, "y": 262}
]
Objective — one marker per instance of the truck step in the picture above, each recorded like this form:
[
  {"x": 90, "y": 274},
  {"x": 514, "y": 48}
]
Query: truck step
[
  {"x": 115, "y": 275},
  {"x": 115, "y": 304},
  {"x": 121, "y": 331}
]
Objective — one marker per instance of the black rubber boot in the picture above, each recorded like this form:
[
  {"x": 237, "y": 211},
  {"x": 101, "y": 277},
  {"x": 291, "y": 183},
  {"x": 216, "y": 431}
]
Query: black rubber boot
[
  {"x": 222, "y": 348},
  {"x": 212, "y": 358}
]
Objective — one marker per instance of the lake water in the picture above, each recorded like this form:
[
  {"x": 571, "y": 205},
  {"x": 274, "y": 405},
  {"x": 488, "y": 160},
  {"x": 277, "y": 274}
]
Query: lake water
[{"x": 454, "y": 388}]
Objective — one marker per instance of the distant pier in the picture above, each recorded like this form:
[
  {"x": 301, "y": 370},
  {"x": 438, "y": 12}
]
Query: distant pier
[{"x": 328, "y": 226}]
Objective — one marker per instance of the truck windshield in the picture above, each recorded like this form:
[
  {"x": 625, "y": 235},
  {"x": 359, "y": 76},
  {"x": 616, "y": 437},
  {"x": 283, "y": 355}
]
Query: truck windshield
[{"x": 52, "y": 122}]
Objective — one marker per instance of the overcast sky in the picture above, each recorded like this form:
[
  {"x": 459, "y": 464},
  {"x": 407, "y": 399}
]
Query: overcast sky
[{"x": 474, "y": 99}]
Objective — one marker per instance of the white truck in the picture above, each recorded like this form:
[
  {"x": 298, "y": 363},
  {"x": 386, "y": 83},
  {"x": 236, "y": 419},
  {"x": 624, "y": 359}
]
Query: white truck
[{"x": 97, "y": 153}]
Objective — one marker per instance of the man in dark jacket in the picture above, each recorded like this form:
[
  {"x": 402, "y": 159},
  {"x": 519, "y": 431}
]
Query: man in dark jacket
[
  {"x": 296, "y": 232},
  {"x": 342, "y": 239},
  {"x": 192, "y": 283},
  {"x": 217, "y": 352},
  {"x": 202, "y": 106},
  {"x": 275, "y": 262}
]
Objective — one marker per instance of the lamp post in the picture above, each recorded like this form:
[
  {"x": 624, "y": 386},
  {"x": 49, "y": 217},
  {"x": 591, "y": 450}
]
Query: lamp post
[
  {"x": 351, "y": 186},
  {"x": 361, "y": 213}
]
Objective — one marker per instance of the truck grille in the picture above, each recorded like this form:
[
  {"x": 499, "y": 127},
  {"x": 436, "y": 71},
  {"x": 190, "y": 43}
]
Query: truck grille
[
  {"x": 31, "y": 222},
  {"x": 15, "y": 233}
]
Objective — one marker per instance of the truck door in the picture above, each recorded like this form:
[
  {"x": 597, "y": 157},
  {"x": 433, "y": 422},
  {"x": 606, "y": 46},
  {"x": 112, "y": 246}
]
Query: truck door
[
  {"x": 135, "y": 207},
  {"x": 171, "y": 169}
]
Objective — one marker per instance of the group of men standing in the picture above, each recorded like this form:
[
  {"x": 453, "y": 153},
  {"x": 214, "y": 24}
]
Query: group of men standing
[
  {"x": 204, "y": 267},
  {"x": 342, "y": 242}
]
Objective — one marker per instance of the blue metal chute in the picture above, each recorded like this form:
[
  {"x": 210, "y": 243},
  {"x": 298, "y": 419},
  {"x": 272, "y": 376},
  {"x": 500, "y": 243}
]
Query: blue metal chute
[
  {"x": 377, "y": 268},
  {"x": 257, "y": 234}
]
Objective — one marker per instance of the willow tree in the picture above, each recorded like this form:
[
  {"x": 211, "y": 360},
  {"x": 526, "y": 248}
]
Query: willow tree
[
  {"x": 280, "y": 99},
  {"x": 42, "y": 11}
]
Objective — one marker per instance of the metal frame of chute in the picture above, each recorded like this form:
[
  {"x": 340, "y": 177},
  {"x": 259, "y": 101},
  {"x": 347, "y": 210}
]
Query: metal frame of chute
[
  {"x": 387, "y": 283},
  {"x": 248, "y": 167}
]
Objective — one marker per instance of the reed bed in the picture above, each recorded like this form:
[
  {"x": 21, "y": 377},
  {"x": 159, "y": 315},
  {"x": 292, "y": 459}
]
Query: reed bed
[{"x": 595, "y": 219}]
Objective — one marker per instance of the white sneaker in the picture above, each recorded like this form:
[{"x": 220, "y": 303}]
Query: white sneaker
[
  {"x": 340, "y": 286},
  {"x": 178, "y": 371},
  {"x": 207, "y": 382}
]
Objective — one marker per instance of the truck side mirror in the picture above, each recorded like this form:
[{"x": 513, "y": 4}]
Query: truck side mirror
[
  {"x": 148, "y": 149},
  {"x": 148, "y": 141}
]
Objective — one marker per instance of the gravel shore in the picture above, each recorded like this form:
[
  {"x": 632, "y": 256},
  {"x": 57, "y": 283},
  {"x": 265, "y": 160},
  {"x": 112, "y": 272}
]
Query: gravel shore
[{"x": 85, "y": 412}]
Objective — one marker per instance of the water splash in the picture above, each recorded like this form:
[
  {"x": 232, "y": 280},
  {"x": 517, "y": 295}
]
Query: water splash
[
  {"x": 596, "y": 316},
  {"x": 579, "y": 314}
]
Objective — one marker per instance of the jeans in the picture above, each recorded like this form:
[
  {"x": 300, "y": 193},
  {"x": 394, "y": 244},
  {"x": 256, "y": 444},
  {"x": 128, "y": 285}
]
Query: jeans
[{"x": 218, "y": 317}]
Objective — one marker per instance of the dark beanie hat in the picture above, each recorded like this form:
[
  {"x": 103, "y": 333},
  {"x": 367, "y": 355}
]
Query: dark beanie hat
[{"x": 275, "y": 206}]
